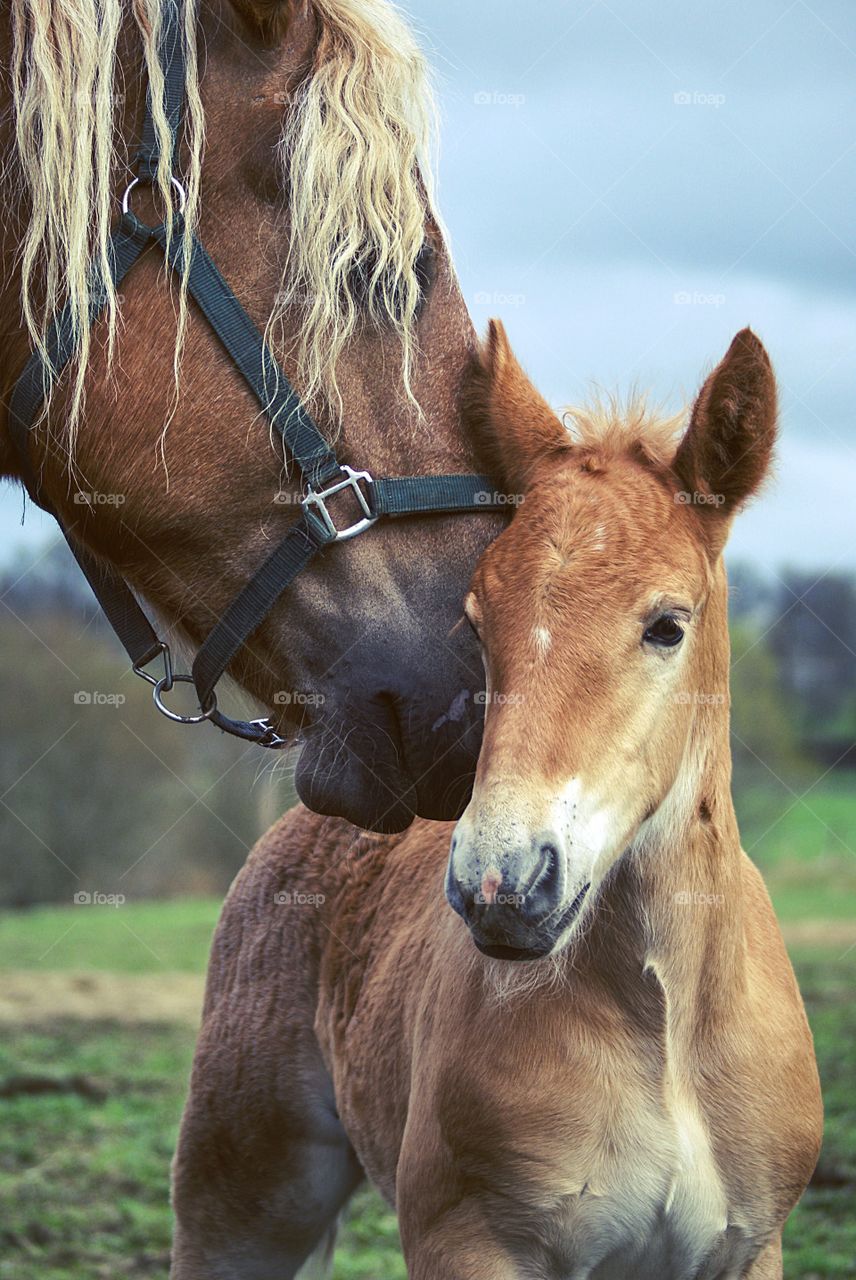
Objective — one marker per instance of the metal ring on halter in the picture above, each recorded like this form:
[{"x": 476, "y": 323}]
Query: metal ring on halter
[
  {"x": 174, "y": 182},
  {"x": 162, "y": 687}
]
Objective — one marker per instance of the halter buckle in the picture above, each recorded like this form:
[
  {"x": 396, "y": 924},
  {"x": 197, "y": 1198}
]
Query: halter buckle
[{"x": 317, "y": 499}]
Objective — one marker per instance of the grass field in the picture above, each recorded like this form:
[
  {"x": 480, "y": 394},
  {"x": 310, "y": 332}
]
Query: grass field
[
  {"x": 138, "y": 937},
  {"x": 89, "y": 1109}
]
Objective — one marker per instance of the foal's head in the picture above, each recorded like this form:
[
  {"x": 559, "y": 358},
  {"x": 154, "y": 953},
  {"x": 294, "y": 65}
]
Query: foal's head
[{"x": 598, "y": 609}]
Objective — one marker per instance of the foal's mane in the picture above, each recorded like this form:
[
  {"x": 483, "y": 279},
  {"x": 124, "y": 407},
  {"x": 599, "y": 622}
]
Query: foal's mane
[{"x": 358, "y": 135}]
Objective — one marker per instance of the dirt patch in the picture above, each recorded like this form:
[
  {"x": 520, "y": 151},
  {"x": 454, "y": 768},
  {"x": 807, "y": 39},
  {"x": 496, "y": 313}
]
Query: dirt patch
[
  {"x": 826, "y": 934},
  {"x": 33, "y": 997}
]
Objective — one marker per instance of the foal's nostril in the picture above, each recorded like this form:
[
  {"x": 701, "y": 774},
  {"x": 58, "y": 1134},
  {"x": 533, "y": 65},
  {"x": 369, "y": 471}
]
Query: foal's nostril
[{"x": 546, "y": 888}]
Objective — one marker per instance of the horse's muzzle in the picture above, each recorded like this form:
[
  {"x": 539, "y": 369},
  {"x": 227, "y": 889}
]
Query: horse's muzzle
[{"x": 380, "y": 766}]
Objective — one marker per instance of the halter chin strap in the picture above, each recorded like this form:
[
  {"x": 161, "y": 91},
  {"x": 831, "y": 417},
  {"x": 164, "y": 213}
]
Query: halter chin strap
[{"x": 323, "y": 475}]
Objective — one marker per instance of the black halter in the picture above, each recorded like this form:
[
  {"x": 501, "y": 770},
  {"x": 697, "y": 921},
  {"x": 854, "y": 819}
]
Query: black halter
[{"x": 323, "y": 475}]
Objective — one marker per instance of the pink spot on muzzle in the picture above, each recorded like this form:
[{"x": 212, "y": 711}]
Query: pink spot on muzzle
[{"x": 491, "y": 885}]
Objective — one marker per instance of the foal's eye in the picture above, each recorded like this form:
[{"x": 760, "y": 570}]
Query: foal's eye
[{"x": 666, "y": 632}]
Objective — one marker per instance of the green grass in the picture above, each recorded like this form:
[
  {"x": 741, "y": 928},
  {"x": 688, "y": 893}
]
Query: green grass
[
  {"x": 84, "y": 1180},
  {"x": 799, "y": 822},
  {"x": 137, "y": 937},
  {"x": 820, "y": 1239},
  {"x": 804, "y": 841}
]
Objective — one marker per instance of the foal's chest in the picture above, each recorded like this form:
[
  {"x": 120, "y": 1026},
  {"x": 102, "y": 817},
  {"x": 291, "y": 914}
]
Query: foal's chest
[
  {"x": 654, "y": 1209},
  {"x": 626, "y": 1187}
]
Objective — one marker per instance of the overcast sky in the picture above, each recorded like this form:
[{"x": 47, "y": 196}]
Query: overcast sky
[{"x": 628, "y": 184}]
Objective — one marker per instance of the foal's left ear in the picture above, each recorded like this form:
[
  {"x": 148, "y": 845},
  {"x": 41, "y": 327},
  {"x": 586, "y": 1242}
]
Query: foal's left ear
[
  {"x": 726, "y": 452},
  {"x": 512, "y": 422}
]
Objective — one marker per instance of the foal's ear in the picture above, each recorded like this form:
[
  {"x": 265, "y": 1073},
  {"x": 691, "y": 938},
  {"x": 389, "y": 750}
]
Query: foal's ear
[
  {"x": 513, "y": 423},
  {"x": 271, "y": 17},
  {"x": 726, "y": 452}
]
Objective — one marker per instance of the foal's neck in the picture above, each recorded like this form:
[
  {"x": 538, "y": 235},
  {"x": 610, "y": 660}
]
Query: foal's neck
[
  {"x": 687, "y": 868},
  {"x": 677, "y": 897}
]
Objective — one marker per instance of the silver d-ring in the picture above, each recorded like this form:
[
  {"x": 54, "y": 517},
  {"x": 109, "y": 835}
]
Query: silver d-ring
[
  {"x": 174, "y": 182},
  {"x": 162, "y": 687}
]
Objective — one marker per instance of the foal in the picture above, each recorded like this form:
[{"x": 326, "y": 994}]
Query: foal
[{"x": 642, "y": 1102}]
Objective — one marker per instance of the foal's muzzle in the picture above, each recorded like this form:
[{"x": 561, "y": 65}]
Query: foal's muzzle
[{"x": 515, "y": 902}]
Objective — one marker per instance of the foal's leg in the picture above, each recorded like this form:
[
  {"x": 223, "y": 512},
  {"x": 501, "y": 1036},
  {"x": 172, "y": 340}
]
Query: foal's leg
[
  {"x": 263, "y": 1165},
  {"x": 768, "y": 1265},
  {"x": 452, "y": 1243},
  {"x": 472, "y": 1260}
]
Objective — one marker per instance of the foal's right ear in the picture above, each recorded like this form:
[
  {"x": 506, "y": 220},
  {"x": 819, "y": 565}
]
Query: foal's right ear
[{"x": 512, "y": 422}]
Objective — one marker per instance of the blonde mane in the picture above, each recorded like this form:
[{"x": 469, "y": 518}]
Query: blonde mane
[
  {"x": 358, "y": 137},
  {"x": 64, "y": 75}
]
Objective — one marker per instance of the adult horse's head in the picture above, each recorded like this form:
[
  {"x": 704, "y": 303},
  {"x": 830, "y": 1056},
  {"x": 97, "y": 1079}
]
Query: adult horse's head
[
  {"x": 602, "y": 614},
  {"x": 314, "y": 201}
]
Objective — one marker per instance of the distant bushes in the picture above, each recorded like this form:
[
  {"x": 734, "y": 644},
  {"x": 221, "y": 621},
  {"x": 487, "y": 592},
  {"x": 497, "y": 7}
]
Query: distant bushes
[{"x": 98, "y": 792}]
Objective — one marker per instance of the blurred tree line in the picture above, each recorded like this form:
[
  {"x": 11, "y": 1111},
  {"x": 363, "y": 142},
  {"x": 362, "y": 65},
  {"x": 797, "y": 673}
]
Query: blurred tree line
[
  {"x": 793, "y": 669},
  {"x": 98, "y": 793}
]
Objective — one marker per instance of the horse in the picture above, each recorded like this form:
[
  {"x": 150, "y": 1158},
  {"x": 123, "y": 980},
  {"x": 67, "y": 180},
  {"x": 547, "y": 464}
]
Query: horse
[
  {"x": 597, "y": 1066},
  {"x": 307, "y": 168}
]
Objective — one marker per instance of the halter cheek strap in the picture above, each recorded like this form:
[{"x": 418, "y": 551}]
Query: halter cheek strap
[{"x": 323, "y": 475}]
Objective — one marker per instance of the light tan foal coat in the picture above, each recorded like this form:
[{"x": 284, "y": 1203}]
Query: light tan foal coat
[{"x": 642, "y": 1104}]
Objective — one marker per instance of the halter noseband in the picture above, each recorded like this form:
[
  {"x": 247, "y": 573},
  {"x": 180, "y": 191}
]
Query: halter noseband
[{"x": 323, "y": 475}]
